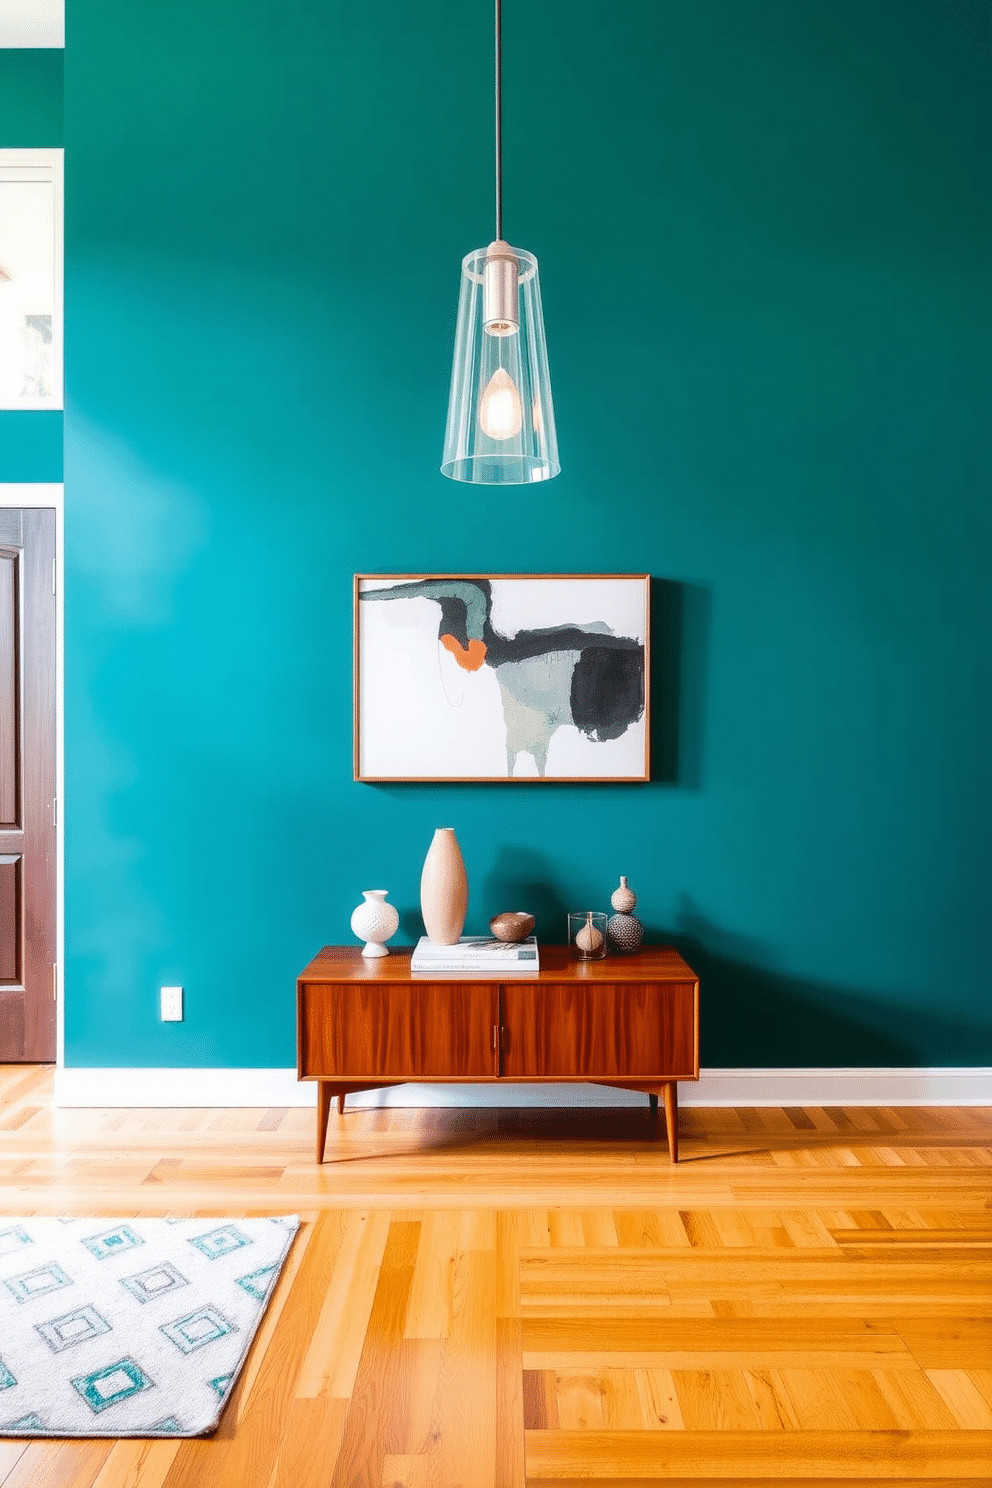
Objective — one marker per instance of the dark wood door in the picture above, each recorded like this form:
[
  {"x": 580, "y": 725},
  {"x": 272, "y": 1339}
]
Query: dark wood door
[
  {"x": 599, "y": 1030},
  {"x": 27, "y": 785},
  {"x": 402, "y": 1031}
]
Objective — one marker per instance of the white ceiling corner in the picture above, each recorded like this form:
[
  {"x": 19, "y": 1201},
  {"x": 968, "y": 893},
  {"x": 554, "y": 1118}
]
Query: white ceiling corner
[{"x": 32, "y": 23}]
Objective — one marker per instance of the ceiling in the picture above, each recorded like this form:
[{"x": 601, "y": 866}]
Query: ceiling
[{"x": 32, "y": 23}]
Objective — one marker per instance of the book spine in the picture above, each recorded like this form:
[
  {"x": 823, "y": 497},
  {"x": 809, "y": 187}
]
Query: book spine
[{"x": 494, "y": 967}]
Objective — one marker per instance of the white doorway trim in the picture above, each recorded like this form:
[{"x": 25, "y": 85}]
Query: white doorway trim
[{"x": 49, "y": 496}]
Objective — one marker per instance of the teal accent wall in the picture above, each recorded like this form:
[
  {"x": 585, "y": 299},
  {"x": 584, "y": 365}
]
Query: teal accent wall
[
  {"x": 30, "y": 445},
  {"x": 31, "y": 98},
  {"x": 764, "y": 237}
]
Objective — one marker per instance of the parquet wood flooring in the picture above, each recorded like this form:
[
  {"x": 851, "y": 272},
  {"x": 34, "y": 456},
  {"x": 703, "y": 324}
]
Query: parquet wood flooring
[{"x": 520, "y": 1299}]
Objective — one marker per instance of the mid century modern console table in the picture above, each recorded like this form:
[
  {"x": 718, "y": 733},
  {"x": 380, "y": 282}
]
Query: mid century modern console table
[{"x": 625, "y": 1021}]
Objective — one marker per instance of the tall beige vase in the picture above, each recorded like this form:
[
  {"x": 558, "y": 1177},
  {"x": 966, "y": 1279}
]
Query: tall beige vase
[{"x": 444, "y": 889}]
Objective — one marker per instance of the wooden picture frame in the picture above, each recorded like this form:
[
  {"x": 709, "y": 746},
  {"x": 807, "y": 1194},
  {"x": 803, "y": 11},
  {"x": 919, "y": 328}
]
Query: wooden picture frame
[{"x": 502, "y": 677}]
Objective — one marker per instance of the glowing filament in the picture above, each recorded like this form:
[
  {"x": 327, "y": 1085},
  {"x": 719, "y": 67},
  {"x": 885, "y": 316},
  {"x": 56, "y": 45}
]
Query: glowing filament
[{"x": 501, "y": 412}]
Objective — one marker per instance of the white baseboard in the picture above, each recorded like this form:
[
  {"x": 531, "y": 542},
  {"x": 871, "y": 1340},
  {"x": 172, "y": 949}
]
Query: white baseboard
[{"x": 947, "y": 1086}]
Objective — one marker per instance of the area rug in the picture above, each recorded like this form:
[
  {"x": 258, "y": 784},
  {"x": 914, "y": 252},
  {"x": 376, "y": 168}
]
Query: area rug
[{"x": 129, "y": 1327}]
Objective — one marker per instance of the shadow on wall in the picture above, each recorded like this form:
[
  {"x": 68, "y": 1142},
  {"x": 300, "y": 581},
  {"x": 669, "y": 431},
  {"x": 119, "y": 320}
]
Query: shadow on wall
[
  {"x": 755, "y": 1018},
  {"x": 680, "y": 647},
  {"x": 752, "y": 1017},
  {"x": 520, "y": 878},
  {"x": 523, "y": 879}
]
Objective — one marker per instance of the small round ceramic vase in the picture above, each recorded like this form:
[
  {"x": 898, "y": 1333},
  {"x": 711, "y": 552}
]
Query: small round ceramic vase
[
  {"x": 623, "y": 899},
  {"x": 374, "y": 922},
  {"x": 624, "y": 932},
  {"x": 444, "y": 889}
]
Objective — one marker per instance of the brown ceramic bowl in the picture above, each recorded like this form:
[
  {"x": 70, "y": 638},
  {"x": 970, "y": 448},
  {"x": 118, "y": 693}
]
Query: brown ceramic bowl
[{"x": 512, "y": 924}]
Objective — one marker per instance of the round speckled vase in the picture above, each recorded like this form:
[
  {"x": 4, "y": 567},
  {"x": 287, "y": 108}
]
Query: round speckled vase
[
  {"x": 374, "y": 922},
  {"x": 624, "y": 932}
]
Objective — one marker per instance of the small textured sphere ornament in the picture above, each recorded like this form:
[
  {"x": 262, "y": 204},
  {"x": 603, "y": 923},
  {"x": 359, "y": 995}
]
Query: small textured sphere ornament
[
  {"x": 623, "y": 899},
  {"x": 374, "y": 922},
  {"x": 624, "y": 932}
]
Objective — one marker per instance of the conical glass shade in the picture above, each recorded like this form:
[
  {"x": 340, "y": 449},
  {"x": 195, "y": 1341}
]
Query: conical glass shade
[{"x": 501, "y": 420}]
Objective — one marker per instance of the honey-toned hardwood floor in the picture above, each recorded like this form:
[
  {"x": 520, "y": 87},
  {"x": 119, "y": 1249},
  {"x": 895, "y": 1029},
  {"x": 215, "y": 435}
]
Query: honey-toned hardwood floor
[{"x": 488, "y": 1299}]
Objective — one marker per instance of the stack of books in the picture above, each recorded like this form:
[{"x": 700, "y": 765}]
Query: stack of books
[{"x": 477, "y": 953}]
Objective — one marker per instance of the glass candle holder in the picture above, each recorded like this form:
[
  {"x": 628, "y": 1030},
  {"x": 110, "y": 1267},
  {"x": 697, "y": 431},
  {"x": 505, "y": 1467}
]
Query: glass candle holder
[{"x": 587, "y": 934}]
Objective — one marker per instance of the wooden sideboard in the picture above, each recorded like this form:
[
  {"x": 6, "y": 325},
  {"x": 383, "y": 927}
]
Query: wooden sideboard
[{"x": 626, "y": 1021}]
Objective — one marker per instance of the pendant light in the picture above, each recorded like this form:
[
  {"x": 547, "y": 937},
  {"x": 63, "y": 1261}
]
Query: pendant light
[{"x": 501, "y": 421}]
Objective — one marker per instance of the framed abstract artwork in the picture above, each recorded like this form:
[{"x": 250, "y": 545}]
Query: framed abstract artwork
[{"x": 501, "y": 677}]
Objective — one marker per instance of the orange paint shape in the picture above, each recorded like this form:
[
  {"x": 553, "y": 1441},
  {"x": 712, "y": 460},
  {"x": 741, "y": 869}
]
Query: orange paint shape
[{"x": 472, "y": 658}]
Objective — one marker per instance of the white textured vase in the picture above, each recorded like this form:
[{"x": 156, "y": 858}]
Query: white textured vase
[
  {"x": 444, "y": 889},
  {"x": 374, "y": 922}
]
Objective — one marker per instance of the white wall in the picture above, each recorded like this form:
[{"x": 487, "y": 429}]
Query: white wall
[{"x": 32, "y": 23}]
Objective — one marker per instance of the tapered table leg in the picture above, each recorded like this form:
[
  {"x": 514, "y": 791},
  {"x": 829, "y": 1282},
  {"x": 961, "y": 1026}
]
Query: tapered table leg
[
  {"x": 323, "y": 1114},
  {"x": 672, "y": 1119},
  {"x": 341, "y": 1104}
]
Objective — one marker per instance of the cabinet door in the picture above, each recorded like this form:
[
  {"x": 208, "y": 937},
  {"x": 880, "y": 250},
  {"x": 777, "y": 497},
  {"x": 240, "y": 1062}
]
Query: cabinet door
[
  {"x": 404, "y": 1031},
  {"x": 600, "y": 1031}
]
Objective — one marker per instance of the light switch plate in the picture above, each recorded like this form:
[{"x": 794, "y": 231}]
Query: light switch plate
[{"x": 172, "y": 1004}]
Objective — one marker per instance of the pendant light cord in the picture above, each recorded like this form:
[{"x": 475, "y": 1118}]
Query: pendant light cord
[{"x": 499, "y": 121}]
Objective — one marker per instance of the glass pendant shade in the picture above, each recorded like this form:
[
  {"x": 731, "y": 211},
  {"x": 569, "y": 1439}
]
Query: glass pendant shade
[{"x": 501, "y": 420}]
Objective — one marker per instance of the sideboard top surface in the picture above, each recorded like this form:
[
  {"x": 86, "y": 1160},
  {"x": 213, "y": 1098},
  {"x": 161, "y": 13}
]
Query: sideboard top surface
[{"x": 558, "y": 964}]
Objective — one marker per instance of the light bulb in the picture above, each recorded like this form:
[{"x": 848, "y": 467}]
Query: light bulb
[{"x": 501, "y": 413}]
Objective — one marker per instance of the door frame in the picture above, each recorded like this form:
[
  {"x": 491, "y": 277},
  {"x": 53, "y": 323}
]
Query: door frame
[{"x": 50, "y": 496}]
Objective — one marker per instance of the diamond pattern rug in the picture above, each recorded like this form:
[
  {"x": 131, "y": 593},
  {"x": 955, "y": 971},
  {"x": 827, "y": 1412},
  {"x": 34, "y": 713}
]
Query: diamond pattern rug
[{"x": 129, "y": 1327}]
